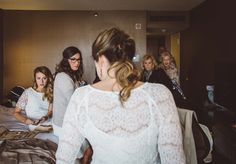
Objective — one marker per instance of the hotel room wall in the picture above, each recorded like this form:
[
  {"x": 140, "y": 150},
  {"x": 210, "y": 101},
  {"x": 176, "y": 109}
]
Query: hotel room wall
[
  {"x": 33, "y": 38},
  {"x": 210, "y": 38},
  {"x": 1, "y": 56},
  {"x": 175, "y": 48}
]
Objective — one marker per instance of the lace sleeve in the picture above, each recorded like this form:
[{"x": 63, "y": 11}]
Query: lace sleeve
[
  {"x": 71, "y": 139},
  {"x": 22, "y": 102},
  {"x": 170, "y": 135}
]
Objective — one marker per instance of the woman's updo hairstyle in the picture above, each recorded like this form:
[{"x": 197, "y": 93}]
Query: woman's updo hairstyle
[{"x": 119, "y": 49}]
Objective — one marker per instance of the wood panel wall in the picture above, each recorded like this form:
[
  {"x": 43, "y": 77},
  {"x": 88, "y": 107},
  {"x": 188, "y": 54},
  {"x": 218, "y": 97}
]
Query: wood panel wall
[
  {"x": 33, "y": 38},
  {"x": 1, "y": 55}
]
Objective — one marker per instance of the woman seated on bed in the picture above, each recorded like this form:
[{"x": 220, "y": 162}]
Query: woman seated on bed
[{"x": 36, "y": 100}]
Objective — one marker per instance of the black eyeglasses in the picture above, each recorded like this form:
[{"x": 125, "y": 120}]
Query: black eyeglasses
[{"x": 73, "y": 60}]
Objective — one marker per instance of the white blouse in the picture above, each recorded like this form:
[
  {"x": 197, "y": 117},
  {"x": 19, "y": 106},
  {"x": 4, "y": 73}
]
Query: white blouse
[
  {"x": 32, "y": 102},
  {"x": 146, "y": 130}
]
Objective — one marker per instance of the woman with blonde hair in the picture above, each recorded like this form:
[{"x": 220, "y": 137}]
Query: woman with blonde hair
[
  {"x": 121, "y": 125},
  {"x": 37, "y": 100},
  {"x": 167, "y": 62},
  {"x": 152, "y": 73},
  {"x": 148, "y": 65}
]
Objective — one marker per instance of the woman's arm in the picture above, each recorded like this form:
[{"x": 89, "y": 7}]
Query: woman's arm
[
  {"x": 17, "y": 114},
  {"x": 21, "y": 104},
  {"x": 71, "y": 139},
  {"x": 170, "y": 144}
]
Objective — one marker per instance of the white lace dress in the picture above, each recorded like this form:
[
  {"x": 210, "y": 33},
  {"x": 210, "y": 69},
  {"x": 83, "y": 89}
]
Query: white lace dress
[
  {"x": 146, "y": 130},
  {"x": 32, "y": 103}
]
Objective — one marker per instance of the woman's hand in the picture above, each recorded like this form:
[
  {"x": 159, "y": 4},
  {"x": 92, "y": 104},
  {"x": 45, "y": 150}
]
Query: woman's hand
[
  {"x": 41, "y": 120},
  {"x": 29, "y": 121}
]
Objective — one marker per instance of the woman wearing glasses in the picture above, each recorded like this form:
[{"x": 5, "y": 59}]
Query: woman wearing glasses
[{"x": 68, "y": 77}]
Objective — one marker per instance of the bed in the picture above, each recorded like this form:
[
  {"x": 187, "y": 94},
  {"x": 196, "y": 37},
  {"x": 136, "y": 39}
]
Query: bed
[{"x": 19, "y": 145}]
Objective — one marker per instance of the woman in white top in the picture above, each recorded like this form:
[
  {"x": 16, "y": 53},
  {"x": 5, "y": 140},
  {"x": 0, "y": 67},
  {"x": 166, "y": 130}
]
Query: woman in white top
[
  {"x": 125, "y": 121},
  {"x": 36, "y": 100}
]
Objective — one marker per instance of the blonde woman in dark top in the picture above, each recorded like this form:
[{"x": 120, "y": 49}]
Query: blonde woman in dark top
[{"x": 151, "y": 73}]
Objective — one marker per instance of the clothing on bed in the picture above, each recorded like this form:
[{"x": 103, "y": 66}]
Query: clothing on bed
[
  {"x": 23, "y": 147},
  {"x": 7, "y": 134},
  {"x": 27, "y": 151},
  {"x": 9, "y": 122},
  {"x": 115, "y": 134}
]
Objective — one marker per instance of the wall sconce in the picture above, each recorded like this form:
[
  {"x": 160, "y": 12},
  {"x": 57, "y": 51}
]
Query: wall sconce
[
  {"x": 95, "y": 14},
  {"x": 163, "y": 30}
]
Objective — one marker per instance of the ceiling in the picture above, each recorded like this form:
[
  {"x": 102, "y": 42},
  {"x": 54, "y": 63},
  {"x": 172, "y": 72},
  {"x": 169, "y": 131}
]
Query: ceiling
[
  {"x": 171, "y": 8},
  {"x": 149, "y": 5}
]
